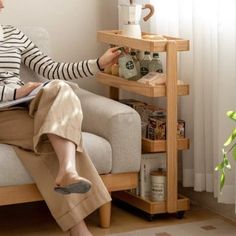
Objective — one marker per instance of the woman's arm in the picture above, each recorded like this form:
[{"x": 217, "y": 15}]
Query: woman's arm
[{"x": 45, "y": 66}]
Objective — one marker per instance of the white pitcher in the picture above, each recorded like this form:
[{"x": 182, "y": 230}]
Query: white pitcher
[
  {"x": 130, "y": 16},
  {"x": 131, "y": 13}
]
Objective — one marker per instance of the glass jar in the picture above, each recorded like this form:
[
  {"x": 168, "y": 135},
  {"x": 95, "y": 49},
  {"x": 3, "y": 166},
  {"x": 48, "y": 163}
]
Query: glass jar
[{"x": 158, "y": 185}]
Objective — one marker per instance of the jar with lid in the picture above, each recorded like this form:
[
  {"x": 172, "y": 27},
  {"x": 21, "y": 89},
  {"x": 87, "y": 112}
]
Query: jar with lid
[{"x": 158, "y": 185}]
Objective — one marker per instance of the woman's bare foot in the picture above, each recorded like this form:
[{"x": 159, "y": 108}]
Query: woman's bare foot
[
  {"x": 80, "y": 230},
  {"x": 62, "y": 172}
]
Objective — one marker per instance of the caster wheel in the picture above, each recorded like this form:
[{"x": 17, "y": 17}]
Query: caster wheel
[
  {"x": 180, "y": 214},
  {"x": 150, "y": 218}
]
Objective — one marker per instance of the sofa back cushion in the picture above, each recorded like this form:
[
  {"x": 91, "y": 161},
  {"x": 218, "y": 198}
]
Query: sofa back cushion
[{"x": 41, "y": 38}]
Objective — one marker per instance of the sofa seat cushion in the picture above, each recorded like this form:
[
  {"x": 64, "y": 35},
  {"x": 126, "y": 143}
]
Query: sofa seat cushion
[{"x": 12, "y": 172}]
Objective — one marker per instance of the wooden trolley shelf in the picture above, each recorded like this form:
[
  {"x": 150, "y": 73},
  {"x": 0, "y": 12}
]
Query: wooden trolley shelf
[
  {"x": 114, "y": 37},
  {"x": 183, "y": 204},
  {"x": 160, "y": 145},
  {"x": 171, "y": 90},
  {"x": 138, "y": 88}
]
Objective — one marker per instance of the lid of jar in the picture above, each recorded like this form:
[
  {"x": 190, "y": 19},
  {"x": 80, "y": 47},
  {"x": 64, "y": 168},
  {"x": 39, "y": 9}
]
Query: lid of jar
[
  {"x": 155, "y": 54},
  {"x": 122, "y": 49},
  {"x": 158, "y": 114},
  {"x": 158, "y": 173}
]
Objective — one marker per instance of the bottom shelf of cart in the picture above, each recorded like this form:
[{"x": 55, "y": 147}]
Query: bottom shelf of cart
[{"x": 183, "y": 203}]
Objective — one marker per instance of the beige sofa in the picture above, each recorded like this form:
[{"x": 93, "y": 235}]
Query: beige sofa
[{"x": 111, "y": 134}]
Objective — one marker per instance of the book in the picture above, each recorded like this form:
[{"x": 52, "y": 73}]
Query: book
[
  {"x": 27, "y": 98},
  {"x": 149, "y": 163}
]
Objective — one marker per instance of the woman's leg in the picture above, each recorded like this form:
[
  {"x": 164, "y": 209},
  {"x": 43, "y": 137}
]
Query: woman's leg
[
  {"x": 80, "y": 230},
  {"x": 67, "y": 180},
  {"x": 51, "y": 117},
  {"x": 65, "y": 151}
]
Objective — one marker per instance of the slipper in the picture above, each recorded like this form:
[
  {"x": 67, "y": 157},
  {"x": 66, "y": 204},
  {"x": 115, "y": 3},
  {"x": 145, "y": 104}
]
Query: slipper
[{"x": 72, "y": 183}]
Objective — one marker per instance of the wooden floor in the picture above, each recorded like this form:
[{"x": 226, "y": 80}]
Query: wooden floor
[{"x": 35, "y": 220}]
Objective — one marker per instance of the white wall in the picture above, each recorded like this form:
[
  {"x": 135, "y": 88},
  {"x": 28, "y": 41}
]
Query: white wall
[{"x": 72, "y": 25}]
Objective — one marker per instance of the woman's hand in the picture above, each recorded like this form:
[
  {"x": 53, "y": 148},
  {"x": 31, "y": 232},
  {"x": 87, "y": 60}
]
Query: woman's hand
[
  {"x": 109, "y": 58},
  {"x": 26, "y": 89}
]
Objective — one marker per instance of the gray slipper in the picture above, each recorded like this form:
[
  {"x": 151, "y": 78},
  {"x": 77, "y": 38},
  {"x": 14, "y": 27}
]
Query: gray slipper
[{"x": 73, "y": 184}]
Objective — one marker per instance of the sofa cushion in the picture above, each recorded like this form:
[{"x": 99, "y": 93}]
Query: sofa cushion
[
  {"x": 12, "y": 172},
  {"x": 99, "y": 150}
]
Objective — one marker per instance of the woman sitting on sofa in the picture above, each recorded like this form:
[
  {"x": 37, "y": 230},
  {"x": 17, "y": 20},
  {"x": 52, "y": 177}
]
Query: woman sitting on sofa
[{"x": 48, "y": 128}]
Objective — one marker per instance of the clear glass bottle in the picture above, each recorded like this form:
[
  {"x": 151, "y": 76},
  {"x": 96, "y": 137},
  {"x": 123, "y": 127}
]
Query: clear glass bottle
[
  {"x": 127, "y": 67},
  {"x": 139, "y": 54},
  {"x": 144, "y": 63},
  {"x": 156, "y": 65},
  {"x": 137, "y": 65}
]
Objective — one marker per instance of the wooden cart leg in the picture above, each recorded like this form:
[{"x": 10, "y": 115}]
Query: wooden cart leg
[
  {"x": 105, "y": 215},
  {"x": 172, "y": 191},
  {"x": 114, "y": 93}
]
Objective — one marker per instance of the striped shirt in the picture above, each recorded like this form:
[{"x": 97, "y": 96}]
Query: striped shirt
[{"x": 17, "y": 48}]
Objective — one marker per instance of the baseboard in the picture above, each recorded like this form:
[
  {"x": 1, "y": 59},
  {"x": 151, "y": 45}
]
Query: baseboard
[{"x": 207, "y": 200}]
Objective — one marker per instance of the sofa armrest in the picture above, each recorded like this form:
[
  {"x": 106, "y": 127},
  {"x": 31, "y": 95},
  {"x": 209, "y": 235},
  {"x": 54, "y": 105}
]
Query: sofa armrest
[{"x": 117, "y": 123}]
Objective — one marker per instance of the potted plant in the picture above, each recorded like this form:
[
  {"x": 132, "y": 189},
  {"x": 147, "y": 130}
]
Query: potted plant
[{"x": 229, "y": 148}]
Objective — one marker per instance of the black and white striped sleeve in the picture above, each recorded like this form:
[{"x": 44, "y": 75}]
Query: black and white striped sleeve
[
  {"x": 7, "y": 93},
  {"x": 45, "y": 66}
]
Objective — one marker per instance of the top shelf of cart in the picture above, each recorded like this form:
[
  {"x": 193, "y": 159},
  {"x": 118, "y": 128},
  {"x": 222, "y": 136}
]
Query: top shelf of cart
[{"x": 149, "y": 42}]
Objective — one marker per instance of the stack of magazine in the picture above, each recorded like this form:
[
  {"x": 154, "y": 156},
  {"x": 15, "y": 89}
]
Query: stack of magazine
[{"x": 28, "y": 98}]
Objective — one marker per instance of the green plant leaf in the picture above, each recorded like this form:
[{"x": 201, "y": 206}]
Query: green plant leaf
[
  {"x": 234, "y": 152},
  {"x": 222, "y": 180},
  {"x": 223, "y": 152},
  {"x": 231, "y": 138},
  {"x": 226, "y": 162},
  {"x": 220, "y": 166},
  {"x": 231, "y": 115}
]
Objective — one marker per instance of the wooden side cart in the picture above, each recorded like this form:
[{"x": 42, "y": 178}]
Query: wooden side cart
[{"x": 171, "y": 90}]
